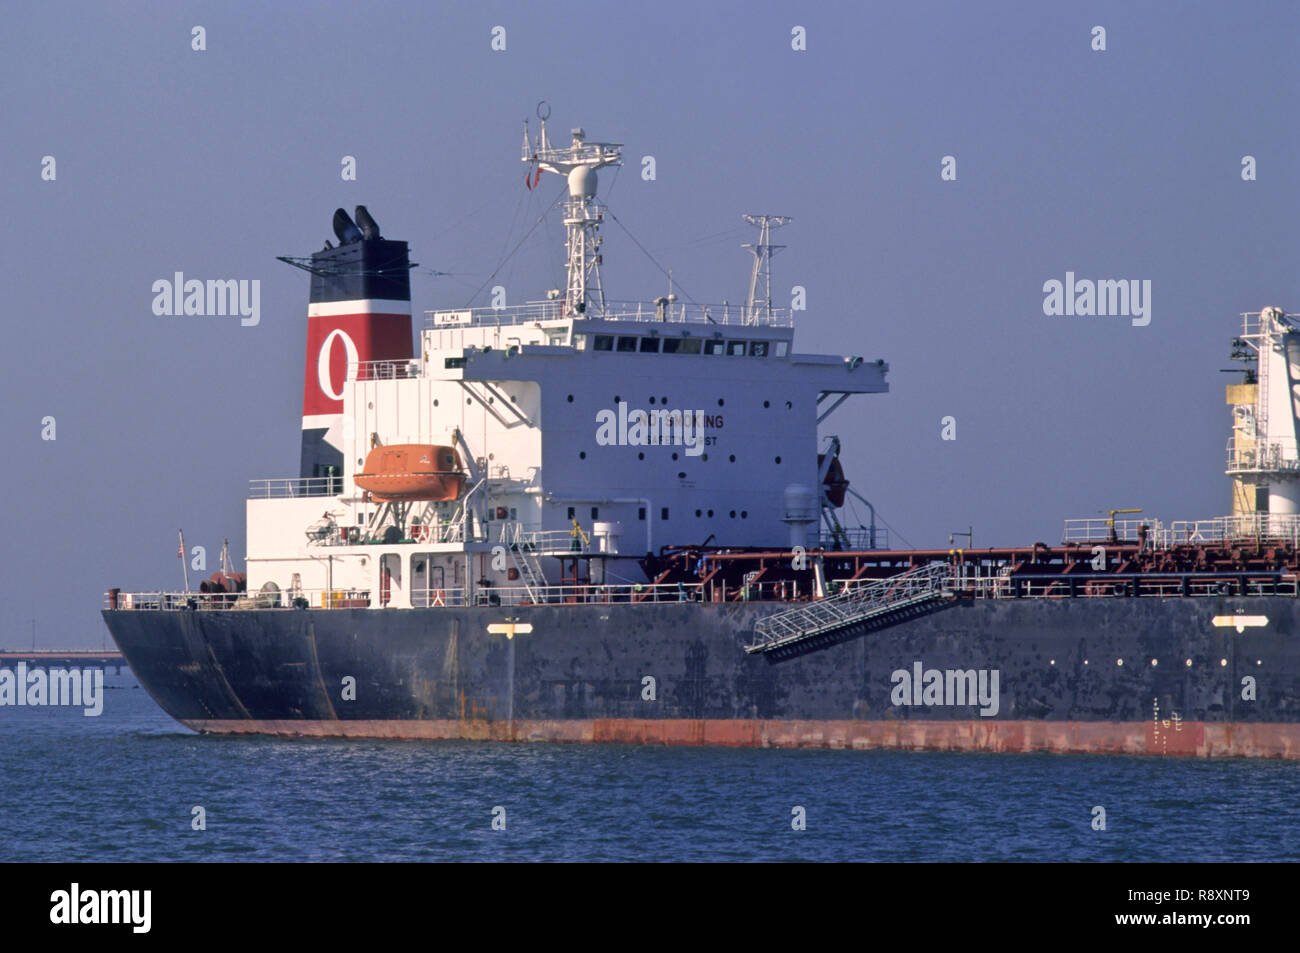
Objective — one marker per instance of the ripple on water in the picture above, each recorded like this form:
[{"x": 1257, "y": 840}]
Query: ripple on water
[{"x": 128, "y": 781}]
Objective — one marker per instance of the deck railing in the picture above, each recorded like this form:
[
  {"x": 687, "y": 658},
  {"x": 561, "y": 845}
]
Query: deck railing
[
  {"x": 288, "y": 487},
  {"x": 676, "y": 312},
  {"x": 937, "y": 577}
]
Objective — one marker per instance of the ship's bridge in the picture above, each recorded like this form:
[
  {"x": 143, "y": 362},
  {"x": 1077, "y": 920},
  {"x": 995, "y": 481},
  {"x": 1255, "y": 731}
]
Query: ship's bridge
[{"x": 662, "y": 326}]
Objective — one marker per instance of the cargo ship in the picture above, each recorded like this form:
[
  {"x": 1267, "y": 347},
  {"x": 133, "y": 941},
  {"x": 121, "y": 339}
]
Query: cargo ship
[{"x": 586, "y": 520}]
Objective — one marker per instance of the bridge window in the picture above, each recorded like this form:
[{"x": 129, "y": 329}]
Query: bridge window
[
  {"x": 687, "y": 346},
  {"x": 627, "y": 345},
  {"x": 758, "y": 349},
  {"x": 736, "y": 348},
  {"x": 781, "y": 348},
  {"x": 649, "y": 345},
  {"x": 603, "y": 342},
  {"x": 671, "y": 345},
  {"x": 715, "y": 347}
]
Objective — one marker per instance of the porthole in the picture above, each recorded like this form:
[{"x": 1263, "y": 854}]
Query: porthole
[
  {"x": 570, "y": 398},
  {"x": 681, "y": 475},
  {"x": 674, "y": 455},
  {"x": 698, "y": 513},
  {"x": 767, "y": 403},
  {"x": 744, "y": 514},
  {"x": 641, "y": 455},
  {"x": 789, "y": 406},
  {"x": 582, "y": 454},
  {"x": 435, "y": 402},
  {"x": 721, "y": 401},
  {"x": 778, "y": 459},
  {"x": 733, "y": 514},
  {"x": 732, "y": 458},
  {"x": 710, "y": 514},
  {"x": 704, "y": 457},
  {"x": 652, "y": 400}
]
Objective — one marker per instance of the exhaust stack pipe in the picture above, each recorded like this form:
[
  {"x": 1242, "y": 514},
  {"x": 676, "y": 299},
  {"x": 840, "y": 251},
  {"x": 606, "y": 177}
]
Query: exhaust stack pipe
[
  {"x": 369, "y": 227},
  {"x": 344, "y": 228}
]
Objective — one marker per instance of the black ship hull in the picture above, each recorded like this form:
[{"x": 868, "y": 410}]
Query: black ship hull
[{"x": 1135, "y": 676}]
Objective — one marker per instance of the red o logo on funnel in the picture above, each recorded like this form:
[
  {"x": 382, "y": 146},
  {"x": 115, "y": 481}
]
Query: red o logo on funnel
[{"x": 324, "y": 376}]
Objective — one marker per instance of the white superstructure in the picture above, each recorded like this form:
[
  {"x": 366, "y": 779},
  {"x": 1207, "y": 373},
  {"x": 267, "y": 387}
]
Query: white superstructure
[
  {"x": 592, "y": 430},
  {"x": 1263, "y": 453}
]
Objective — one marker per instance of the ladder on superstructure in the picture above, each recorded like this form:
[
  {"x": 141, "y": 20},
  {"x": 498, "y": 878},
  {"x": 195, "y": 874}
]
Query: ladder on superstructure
[{"x": 523, "y": 551}]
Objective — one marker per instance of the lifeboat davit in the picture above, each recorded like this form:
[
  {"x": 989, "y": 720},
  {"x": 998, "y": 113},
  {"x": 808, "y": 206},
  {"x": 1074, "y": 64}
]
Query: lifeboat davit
[
  {"x": 411, "y": 471},
  {"x": 836, "y": 484}
]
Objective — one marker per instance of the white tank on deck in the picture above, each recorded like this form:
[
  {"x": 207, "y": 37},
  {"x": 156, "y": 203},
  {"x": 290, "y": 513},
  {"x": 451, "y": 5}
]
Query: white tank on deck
[
  {"x": 606, "y": 535},
  {"x": 800, "y": 514}
]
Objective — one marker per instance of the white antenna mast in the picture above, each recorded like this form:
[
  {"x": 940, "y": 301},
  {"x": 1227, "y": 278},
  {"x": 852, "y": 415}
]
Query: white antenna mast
[
  {"x": 578, "y": 163},
  {"x": 759, "y": 310}
]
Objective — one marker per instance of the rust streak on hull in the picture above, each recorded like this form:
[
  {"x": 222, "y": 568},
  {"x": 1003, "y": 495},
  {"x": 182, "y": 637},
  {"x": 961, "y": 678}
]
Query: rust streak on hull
[{"x": 1194, "y": 739}]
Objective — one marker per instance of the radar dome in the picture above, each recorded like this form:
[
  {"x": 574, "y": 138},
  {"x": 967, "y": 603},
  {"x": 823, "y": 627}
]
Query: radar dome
[{"x": 582, "y": 182}]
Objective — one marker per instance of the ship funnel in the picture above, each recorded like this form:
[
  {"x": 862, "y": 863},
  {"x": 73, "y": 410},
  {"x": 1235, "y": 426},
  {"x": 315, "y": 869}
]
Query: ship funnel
[
  {"x": 359, "y": 311},
  {"x": 344, "y": 228},
  {"x": 369, "y": 227}
]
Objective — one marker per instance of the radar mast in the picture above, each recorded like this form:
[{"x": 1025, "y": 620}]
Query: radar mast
[
  {"x": 578, "y": 163},
  {"x": 759, "y": 310}
]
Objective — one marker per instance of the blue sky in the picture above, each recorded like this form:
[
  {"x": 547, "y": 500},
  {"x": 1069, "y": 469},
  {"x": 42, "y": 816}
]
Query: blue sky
[{"x": 1117, "y": 164}]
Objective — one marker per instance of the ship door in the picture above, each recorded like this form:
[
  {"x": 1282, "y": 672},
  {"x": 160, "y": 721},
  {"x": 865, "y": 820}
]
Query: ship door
[
  {"x": 427, "y": 588},
  {"x": 391, "y": 591}
]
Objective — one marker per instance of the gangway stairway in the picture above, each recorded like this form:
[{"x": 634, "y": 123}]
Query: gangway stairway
[{"x": 858, "y": 609}]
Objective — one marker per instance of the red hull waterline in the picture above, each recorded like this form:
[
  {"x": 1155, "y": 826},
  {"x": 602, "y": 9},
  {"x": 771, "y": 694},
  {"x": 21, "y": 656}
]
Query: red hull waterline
[{"x": 1189, "y": 739}]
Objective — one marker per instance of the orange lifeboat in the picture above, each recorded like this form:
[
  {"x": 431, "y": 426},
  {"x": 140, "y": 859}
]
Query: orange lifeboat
[{"x": 411, "y": 471}]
